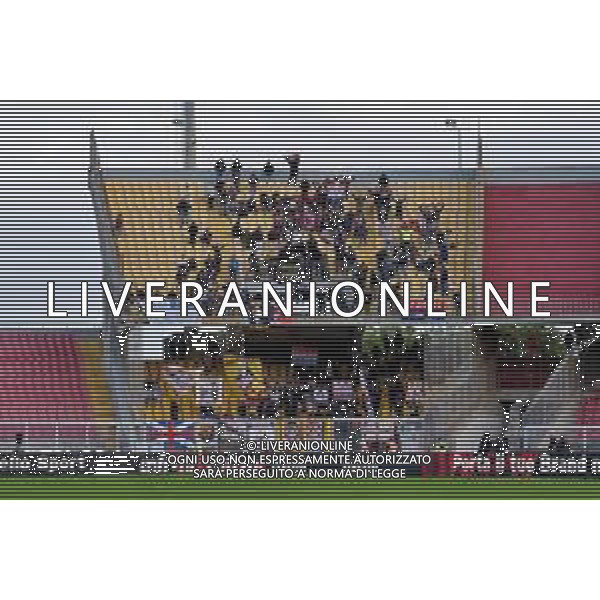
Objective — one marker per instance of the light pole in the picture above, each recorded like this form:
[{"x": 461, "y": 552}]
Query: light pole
[
  {"x": 188, "y": 124},
  {"x": 453, "y": 124},
  {"x": 479, "y": 145}
]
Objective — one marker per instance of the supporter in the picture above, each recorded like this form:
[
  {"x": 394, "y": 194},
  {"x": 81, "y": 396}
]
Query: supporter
[
  {"x": 444, "y": 246},
  {"x": 336, "y": 193},
  {"x": 174, "y": 411},
  {"x": 432, "y": 278},
  {"x": 182, "y": 272},
  {"x": 343, "y": 426},
  {"x": 402, "y": 255},
  {"x": 193, "y": 233},
  {"x": 206, "y": 436},
  {"x": 231, "y": 202},
  {"x": 359, "y": 226},
  {"x": 374, "y": 381},
  {"x": 346, "y": 182},
  {"x": 399, "y": 208},
  {"x": 245, "y": 381},
  {"x": 443, "y": 280},
  {"x": 347, "y": 223},
  {"x": 220, "y": 168},
  {"x": 387, "y": 231},
  {"x": 118, "y": 223},
  {"x": 293, "y": 161},
  {"x": 385, "y": 265},
  {"x": 559, "y": 447},
  {"x": 502, "y": 444},
  {"x": 430, "y": 218},
  {"x": 456, "y": 299},
  {"x": 256, "y": 237},
  {"x": 255, "y": 264},
  {"x": 384, "y": 205},
  {"x": 236, "y": 168},
  {"x": 316, "y": 261},
  {"x": 221, "y": 189},
  {"x": 426, "y": 265},
  {"x": 184, "y": 209},
  {"x": 172, "y": 306},
  {"x": 236, "y": 230},
  {"x": 202, "y": 279},
  {"x": 308, "y": 217},
  {"x": 392, "y": 447},
  {"x": 304, "y": 189},
  {"x": 322, "y": 399},
  {"x": 584, "y": 334},
  {"x": 289, "y": 402},
  {"x": 306, "y": 407},
  {"x": 272, "y": 403},
  {"x": 234, "y": 269},
  {"x": 485, "y": 444},
  {"x": 268, "y": 169},
  {"x": 413, "y": 398},
  {"x": 343, "y": 402}
]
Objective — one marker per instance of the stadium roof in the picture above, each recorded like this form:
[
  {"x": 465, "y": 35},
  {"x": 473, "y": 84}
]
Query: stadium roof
[{"x": 550, "y": 174}]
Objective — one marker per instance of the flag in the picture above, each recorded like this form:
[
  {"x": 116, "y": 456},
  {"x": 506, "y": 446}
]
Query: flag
[{"x": 172, "y": 436}]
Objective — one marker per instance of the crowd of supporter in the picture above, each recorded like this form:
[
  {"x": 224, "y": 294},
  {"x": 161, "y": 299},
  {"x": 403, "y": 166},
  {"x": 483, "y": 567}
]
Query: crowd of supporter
[
  {"x": 382, "y": 379},
  {"x": 326, "y": 398},
  {"x": 255, "y": 227},
  {"x": 307, "y": 409},
  {"x": 309, "y": 231}
]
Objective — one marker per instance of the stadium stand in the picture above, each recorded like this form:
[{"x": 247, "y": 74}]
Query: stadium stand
[
  {"x": 414, "y": 226},
  {"x": 331, "y": 229},
  {"x": 53, "y": 390}
]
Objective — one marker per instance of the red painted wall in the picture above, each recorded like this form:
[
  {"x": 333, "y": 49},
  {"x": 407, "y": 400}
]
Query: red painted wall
[{"x": 545, "y": 232}]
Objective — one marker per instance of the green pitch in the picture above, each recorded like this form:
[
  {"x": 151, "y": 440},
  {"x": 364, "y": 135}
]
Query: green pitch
[{"x": 179, "y": 487}]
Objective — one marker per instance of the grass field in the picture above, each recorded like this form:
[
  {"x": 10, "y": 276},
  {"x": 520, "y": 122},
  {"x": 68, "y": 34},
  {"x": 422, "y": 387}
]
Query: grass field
[{"x": 179, "y": 487}]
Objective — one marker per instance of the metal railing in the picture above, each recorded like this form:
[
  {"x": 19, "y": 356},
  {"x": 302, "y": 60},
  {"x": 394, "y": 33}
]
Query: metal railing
[{"x": 208, "y": 433}]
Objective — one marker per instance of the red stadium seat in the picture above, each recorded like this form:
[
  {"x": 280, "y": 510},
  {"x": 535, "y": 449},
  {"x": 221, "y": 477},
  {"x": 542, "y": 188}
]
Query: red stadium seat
[{"x": 44, "y": 391}]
